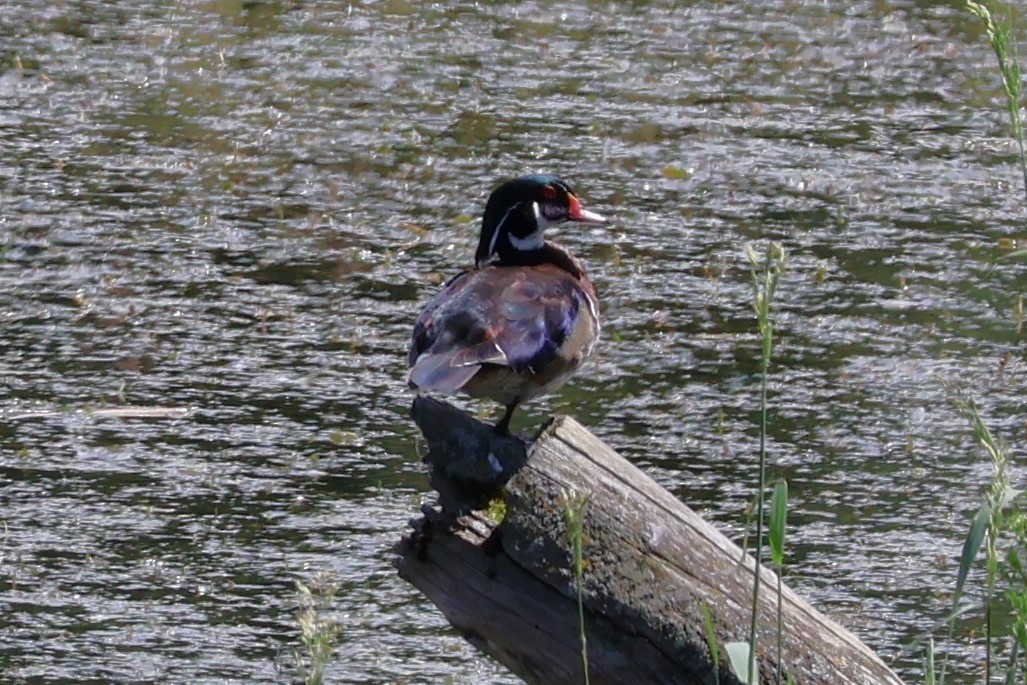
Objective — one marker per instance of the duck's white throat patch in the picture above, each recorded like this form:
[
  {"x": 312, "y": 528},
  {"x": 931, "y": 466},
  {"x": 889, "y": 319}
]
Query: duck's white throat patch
[{"x": 534, "y": 240}]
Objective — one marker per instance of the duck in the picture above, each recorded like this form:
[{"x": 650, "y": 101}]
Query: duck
[{"x": 521, "y": 321}]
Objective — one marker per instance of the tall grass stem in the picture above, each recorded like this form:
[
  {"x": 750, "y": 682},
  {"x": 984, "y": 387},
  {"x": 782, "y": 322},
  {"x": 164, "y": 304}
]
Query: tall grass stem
[
  {"x": 574, "y": 511},
  {"x": 778, "y": 518},
  {"x": 765, "y": 277}
]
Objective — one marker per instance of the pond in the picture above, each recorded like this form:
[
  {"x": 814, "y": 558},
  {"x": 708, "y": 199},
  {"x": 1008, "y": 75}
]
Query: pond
[{"x": 229, "y": 213}]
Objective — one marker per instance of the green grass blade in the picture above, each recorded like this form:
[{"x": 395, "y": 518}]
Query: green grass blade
[
  {"x": 929, "y": 664},
  {"x": 1015, "y": 565},
  {"x": 711, "y": 641},
  {"x": 778, "y": 516},
  {"x": 971, "y": 546}
]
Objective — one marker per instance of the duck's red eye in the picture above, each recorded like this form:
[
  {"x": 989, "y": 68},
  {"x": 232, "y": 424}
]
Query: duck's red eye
[{"x": 548, "y": 192}]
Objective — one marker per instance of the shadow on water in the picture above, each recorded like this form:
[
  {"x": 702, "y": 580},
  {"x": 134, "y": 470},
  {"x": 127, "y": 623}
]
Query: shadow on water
[{"x": 236, "y": 208}]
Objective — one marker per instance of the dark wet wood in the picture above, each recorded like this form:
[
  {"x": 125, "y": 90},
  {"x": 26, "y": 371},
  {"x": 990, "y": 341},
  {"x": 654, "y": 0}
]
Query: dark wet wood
[
  {"x": 508, "y": 613},
  {"x": 468, "y": 462},
  {"x": 651, "y": 563}
]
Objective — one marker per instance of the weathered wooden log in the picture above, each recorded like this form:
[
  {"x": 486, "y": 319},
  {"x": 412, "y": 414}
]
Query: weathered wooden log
[{"x": 651, "y": 564}]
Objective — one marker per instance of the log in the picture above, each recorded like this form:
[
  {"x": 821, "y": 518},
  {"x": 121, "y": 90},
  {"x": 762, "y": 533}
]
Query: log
[{"x": 650, "y": 566}]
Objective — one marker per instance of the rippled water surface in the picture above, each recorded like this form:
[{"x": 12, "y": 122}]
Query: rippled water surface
[{"x": 235, "y": 209}]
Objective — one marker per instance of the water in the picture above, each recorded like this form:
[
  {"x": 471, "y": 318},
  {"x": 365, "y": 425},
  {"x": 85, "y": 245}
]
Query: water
[{"x": 237, "y": 208}]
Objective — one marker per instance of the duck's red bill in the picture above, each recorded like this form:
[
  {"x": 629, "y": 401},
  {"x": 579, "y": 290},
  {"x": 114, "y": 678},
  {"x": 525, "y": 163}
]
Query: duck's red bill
[{"x": 578, "y": 213}]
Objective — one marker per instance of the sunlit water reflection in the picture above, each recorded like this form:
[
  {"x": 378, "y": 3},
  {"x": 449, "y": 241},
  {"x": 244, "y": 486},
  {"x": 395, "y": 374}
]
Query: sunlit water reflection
[{"x": 236, "y": 208}]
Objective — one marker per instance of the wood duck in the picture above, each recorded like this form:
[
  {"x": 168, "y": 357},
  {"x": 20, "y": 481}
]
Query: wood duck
[{"x": 524, "y": 318}]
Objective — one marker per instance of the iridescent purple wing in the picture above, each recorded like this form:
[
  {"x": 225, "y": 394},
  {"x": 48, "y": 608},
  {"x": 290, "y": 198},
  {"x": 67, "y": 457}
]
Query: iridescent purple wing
[{"x": 509, "y": 316}]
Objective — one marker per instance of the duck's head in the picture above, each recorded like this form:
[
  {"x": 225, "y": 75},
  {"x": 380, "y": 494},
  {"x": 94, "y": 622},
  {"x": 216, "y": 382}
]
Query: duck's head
[{"x": 518, "y": 213}]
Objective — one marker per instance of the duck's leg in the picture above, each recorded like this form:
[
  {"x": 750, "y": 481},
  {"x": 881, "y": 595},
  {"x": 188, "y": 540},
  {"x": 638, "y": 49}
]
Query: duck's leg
[{"x": 503, "y": 427}]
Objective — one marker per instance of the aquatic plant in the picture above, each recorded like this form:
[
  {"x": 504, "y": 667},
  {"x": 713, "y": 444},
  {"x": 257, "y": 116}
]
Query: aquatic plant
[
  {"x": 318, "y": 632},
  {"x": 998, "y": 25}
]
